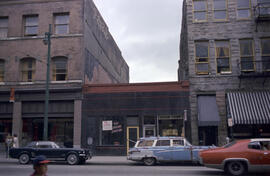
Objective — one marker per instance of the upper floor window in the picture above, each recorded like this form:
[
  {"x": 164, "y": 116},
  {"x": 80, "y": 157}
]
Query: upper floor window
[
  {"x": 201, "y": 57},
  {"x": 243, "y": 9},
  {"x": 59, "y": 67},
  {"x": 2, "y": 70},
  {"x": 61, "y": 23},
  {"x": 220, "y": 9},
  {"x": 31, "y": 25},
  {"x": 265, "y": 53},
  {"x": 246, "y": 55},
  {"x": 199, "y": 10},
  {"x": 223, "y": 57},
  {"x": 28, "y": 66},
  {"x": 3, "y": 27}
]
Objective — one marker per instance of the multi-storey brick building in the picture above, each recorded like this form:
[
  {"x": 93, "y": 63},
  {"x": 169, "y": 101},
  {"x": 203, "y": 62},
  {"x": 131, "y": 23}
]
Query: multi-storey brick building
[
  {"x": 82, "y": 52},
  {"x": 225, "y": 54}
]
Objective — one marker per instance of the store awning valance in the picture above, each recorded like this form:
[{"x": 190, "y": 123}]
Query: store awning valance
[
  {"x": 207, "y": 111},
  {"x": 249, "y": 107}
]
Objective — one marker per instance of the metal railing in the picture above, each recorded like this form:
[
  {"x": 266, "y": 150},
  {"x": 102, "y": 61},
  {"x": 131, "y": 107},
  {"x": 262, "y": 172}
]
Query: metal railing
[{"x": 262, "y": 10}]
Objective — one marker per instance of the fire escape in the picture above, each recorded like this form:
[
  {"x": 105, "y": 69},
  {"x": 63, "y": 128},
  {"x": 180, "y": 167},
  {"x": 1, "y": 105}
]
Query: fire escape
[{"x": 259, "y": 68}]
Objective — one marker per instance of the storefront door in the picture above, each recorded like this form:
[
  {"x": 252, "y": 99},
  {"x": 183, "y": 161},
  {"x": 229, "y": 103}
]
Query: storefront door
[{"x": 132, "y": 136}]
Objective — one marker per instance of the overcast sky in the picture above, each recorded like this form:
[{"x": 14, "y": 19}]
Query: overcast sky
[{"x": 148, "y": 35}]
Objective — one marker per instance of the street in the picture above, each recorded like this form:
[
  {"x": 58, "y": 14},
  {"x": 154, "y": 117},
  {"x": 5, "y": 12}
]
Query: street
[{"x": 113, "y": 166}]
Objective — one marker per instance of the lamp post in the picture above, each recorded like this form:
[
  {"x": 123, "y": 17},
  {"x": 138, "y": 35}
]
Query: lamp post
[{"x": 47, "y": 41}]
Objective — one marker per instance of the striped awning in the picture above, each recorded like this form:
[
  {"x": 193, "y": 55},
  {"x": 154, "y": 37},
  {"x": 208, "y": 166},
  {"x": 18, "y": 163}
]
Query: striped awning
[{"x": 249, "y": 107}]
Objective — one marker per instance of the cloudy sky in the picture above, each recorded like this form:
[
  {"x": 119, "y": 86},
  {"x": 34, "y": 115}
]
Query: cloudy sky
[{"x": 148, "y": 34}]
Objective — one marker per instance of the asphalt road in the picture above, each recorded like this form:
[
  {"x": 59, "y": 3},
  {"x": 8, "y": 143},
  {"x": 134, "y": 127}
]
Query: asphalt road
[{"x": 111, "y": 166}]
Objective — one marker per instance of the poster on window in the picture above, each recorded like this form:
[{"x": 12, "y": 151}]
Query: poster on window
[
  {"x": 106, "y": 125},
  {"x": 117, "y": 127}
]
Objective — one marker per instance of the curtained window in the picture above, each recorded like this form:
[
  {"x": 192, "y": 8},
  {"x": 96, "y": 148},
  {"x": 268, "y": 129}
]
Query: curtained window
[
  {"x": 201, "y": 57},
  {"x": 59, "y": 68},
  {"x": 246, "y": 55},
  {"x": 223, "y": 57},
  {"x": 199, "y": 10}
]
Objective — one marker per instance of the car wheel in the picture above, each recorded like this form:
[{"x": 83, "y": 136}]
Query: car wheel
[
  {"x": 72, "y": 159},
  {"x": 149, "y": 161},
  {"x": 24, "y": 158},
  {"x": 235, "y": 168}
]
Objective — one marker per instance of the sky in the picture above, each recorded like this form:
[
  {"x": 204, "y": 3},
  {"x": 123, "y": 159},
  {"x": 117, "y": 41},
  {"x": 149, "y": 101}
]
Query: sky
[{"x": 148, "y": 35}]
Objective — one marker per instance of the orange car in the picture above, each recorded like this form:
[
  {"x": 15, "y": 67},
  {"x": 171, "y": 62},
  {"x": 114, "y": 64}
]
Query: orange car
[{"x": 239, "y": 157}]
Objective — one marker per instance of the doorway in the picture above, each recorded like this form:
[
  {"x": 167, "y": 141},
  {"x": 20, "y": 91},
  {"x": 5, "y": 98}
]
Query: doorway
[{"x": 132, "y": 136}]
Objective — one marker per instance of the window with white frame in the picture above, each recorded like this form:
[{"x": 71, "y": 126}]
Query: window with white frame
[
  {"x": 199, "y": 10},
  {"x": 3, "y": 27},
  {"x": 31, "y": 25},
  {"x": 265, "y": 47},
  {"x": 28, "y": 66},
  {"x": 202, "y": 57},
  {"x": 2, "y": 70},
  {"x": 223, "y": 57},
  {"x": 243, "y": 9},
  {"x": 59, "y": 68},
  {"x": 246, "y": 55},
  {"x": 61, "y": 23},
  {"x": 220, "y": 9}
]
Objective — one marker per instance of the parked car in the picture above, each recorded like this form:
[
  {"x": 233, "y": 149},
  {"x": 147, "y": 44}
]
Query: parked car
[
  {"x": 52, "y": 151},
  {"x": 239, "y": 157},
  {"x": 151, "y": 150}
]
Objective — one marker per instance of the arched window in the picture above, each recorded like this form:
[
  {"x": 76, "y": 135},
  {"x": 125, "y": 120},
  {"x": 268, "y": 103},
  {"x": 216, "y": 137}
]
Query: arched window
[
  {"x": 28, "y": 69},
  {"x": 2, "y": 70},
  {"x": 59, "y": 68}
]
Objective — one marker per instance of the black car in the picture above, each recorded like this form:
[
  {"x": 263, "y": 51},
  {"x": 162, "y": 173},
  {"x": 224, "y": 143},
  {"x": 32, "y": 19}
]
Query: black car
[{"x": 52, "y": 151}]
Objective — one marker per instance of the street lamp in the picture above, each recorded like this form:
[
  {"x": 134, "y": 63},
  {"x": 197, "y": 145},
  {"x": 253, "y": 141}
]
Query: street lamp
[{"x": 47, "y": 41}]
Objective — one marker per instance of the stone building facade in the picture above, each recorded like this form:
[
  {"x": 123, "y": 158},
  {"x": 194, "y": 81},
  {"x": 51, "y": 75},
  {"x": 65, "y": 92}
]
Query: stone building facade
[
  {"x": 82, "y": 52},
  {"x": 225, "y": 54}
]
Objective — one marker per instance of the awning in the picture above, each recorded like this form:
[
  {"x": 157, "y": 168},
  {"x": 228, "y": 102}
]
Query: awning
[
  {"x": 207, "y": 111},
  {"x": 249, "y": 107}
]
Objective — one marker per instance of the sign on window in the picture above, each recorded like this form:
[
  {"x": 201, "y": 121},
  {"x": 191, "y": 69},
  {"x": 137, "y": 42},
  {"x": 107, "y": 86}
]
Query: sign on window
[{"x": 106, "y": 125}]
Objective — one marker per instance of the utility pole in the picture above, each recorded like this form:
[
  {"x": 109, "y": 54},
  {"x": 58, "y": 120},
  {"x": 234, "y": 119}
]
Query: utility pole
[{"x": 47, "y": 41}]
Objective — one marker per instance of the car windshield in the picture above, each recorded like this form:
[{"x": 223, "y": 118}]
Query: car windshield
[{"x": 229, "y": 144}]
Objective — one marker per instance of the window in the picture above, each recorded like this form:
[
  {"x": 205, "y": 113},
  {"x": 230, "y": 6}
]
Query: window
[
  {"x": 220, "y": 9},
  {"x": 201, "y": 57},
  {"x": 163, "y": 143},
  {"x": 223, "y": 57},
  {"x": 243, "y": 9},
  {"x": 31, "y": 25},
  {"x": 199, "y": 10},
  {"x": 61, "y": 23},
  {"x": 178, "y": 142},
  {"x": 3, "y": 27},
  {"x": 246, "y": 54},
  {"x": 266, "y": 54},
  {"x": 28, "y": 66},
  {"x": 2, "y": 70},
  {"x": 59, "y": 67},
  {"x": 145, "y": 143}
]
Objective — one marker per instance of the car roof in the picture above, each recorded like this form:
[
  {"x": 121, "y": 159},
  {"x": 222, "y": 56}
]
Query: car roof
[
  {"x": 161, "y": 138},
  {"x": 260, "y": 139}
]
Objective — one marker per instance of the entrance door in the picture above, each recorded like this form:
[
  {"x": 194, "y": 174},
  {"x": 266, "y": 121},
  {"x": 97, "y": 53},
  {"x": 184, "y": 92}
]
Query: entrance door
[{"x": 132, "y": 136}]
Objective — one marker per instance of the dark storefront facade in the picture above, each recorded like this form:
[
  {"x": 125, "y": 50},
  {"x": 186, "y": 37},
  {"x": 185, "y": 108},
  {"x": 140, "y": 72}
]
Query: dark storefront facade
[{"x": 115, "y": 116}]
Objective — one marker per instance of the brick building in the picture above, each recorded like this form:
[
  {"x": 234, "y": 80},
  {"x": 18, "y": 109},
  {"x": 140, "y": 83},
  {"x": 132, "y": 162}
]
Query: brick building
[
  {"x": 225, "y": 55},
  {"x": 82, "y": 52}
]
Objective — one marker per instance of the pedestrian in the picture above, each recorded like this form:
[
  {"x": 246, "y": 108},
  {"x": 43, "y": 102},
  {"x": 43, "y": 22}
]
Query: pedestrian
[
  {"x": 40, "y": 166},
  {"x": 8, "y": 143},
  {"x": 15, "y": 141}
]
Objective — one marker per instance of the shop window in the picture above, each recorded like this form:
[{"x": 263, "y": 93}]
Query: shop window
[
  {"x": 220, "y": 9},
  {"x": 201, "y": 58},
  {"x": 27, "y": 66},
  {"x": 265, "y": 47},
  {"x": 199, "y": 10},
  {"x": 3, "y": 27},
  {"x": 223, "y": 57},
  {"x": 59, "y": 68},
  {"x": 112, "y": 132},
  {"x": 246, "y": 54},
  {"x": 243, "y": 9},
  {"x": 5, "y": 129},
  {"x": 2, "y": 70},
  {"x": 61, "y": 23},
  {"x": 31, "y": 25}
]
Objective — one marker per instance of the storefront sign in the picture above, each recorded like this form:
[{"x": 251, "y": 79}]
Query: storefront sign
[{"x": 106, "y": 125}]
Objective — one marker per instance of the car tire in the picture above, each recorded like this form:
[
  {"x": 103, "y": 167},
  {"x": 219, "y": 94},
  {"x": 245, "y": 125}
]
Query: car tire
[
  {"x": 72, "y": 159},
  {"x": 149, "y": 161},
  {"x": 235, "y": 168},
  {"x": 24, "y": 158}
]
